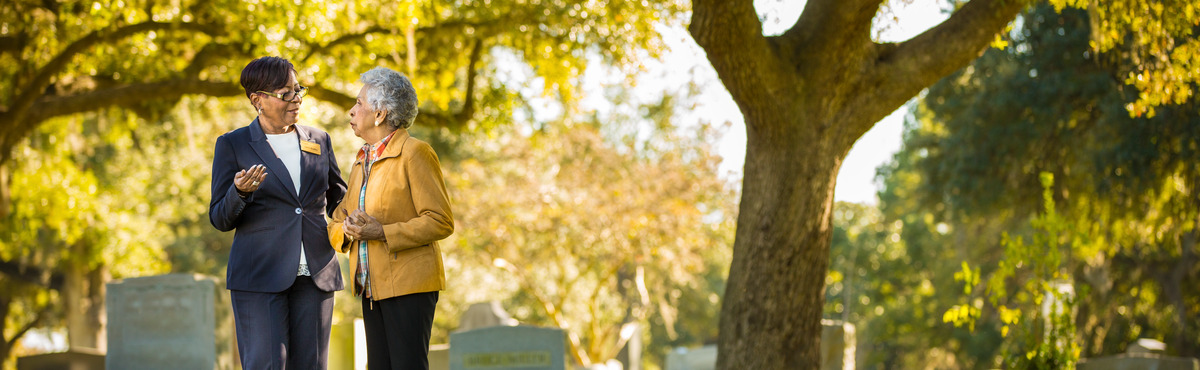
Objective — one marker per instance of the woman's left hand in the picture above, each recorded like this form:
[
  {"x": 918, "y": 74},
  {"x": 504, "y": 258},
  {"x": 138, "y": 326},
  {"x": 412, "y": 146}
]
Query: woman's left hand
[{"x": 363, "y": 226}]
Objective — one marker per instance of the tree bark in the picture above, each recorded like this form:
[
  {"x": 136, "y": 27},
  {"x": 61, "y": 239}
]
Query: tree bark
[
  {"x": 807, "y": 96},
  {"x": 83, "y": 297},
  {"x": 1173, "y": 285}
]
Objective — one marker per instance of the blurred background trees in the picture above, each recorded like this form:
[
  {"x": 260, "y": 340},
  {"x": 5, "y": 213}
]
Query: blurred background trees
[
  {"x": 603, "y": 220},
  {"x": 976, "y": 146},
  {"x": 108, "y": 111}
]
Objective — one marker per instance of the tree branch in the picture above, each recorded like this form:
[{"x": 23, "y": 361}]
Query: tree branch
[
  {"x": 13, "y": 43},
  {"x": 334, "y": 97},
  {"x": 373, "y": 30},
  {"x": 941, "y": 50},
  {"x": 37, "y": 319},
  {"x": 210, "y": 53},
  {"x": 345, "y": 39},
  {"x": 468, "y": 107},
  {"x": 431, "y": 119},
  {"x": 13, "y": 129},
  {"x": 831, "y": 22},
  {"x": 127, "y": 94},
  {"x": 731, "y": 35},
  {"x": 33, "y": 275},
  {"x": 34, "y": 89},
  {"x": 908, "y": 67}
]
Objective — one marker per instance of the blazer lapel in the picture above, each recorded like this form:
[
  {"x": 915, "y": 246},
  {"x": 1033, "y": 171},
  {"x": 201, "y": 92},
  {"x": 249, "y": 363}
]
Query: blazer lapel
[
  {"x": 310, "y": 164},
  {"x": 275, "y": 167}
]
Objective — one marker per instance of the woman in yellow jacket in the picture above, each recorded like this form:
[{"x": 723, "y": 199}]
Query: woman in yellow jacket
[{"x": 395, "y": 211}]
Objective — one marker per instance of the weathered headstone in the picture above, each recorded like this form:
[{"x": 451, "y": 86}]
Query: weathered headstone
[
  {"x": 439, "y": 357},
  {"x": 703, "y": 358},
  {"x": 483, "y": 315},
  {"x": 162, "y": 322},
  {"x": 1144, "y": 353},
  {"x": 74, "y": 359},
  {"x": 837, "y": 345},
  {"x": 1139, "y": 361},
  {"x": 509, "y": 348}
]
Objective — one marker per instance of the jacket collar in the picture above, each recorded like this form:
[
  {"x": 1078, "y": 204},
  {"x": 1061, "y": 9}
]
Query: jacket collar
[
  {"x": 257, "y": 134},
  {"x": 275, "y": 167},
  {"x": 394, "y": 147}
]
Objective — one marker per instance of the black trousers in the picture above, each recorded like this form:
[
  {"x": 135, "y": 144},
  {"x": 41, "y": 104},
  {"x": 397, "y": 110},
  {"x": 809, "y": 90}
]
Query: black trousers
[
  {"x": 397, "y": 331},
  {"x": 285, "y": 330}
]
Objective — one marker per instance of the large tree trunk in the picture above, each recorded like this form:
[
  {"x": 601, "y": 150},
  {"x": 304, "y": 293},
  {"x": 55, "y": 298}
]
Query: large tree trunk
[
  {"x": 807, "y": 96},
  {"x": 83, "y": 299},
  {"x": 776, "y": 289}
]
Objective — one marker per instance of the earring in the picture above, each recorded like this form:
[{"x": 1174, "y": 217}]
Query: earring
[{"x": 377, "y": 122}]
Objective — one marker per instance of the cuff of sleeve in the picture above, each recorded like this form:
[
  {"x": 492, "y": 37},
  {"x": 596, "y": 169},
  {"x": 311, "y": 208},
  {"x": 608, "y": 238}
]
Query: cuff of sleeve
[
  {"x": 389, "y": 237},
  {"x": 235, "y": 196},
  {"x": 337, "y": 238}
]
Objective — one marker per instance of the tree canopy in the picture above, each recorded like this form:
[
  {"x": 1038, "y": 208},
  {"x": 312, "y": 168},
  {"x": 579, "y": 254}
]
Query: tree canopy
[{"x": 68, "y": 57}]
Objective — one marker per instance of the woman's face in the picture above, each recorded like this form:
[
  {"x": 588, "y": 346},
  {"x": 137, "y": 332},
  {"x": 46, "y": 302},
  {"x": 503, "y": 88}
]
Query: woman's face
[
  {"x": 362, "y": 117},
  {"x": 277, "y": 112}
]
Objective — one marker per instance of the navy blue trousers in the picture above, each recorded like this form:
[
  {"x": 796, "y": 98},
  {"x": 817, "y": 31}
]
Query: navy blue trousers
[{"x": 288, "y": 330}]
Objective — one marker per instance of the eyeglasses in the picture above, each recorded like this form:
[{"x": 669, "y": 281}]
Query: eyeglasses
[{"x": 288, "y": 96}]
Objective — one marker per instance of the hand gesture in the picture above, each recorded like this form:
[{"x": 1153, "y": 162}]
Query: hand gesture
[
  {"x": 248, "y": 180},
  {"x": 360, "y": 225}
]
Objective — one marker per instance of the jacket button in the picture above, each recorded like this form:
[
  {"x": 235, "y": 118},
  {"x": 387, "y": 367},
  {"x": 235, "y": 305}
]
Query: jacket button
[{"x": 298, "y": 211}]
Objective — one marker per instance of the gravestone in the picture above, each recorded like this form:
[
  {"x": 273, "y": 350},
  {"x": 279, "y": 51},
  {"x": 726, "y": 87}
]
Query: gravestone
[
  {"x": 439, "y": 357},
  {"x": 703, "y": 358},
  {"x": 1143, "y": 354},
  {"x": 483, "y": 315},
  {"x": 1138, "y": 361},
  {"x": 837, "y": 345},
  {"x": 508, "y": 348},
  {"x": 74, "y": 359},
  {"x": 162, "y": 322}
]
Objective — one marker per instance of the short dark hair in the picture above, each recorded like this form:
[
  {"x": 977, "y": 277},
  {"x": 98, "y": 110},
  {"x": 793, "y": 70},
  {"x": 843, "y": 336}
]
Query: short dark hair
[{"x": 266, "y": 74}]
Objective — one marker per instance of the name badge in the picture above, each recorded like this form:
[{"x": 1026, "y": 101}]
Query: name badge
[{"x": 310, "y": 147}]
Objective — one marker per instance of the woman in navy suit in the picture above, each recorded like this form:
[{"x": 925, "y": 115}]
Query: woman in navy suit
[{"x": 273, "y": 181}]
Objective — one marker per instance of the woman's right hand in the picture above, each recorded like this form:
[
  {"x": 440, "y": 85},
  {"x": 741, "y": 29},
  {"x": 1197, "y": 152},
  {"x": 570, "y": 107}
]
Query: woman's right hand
[{"x": 248, "y": 180}]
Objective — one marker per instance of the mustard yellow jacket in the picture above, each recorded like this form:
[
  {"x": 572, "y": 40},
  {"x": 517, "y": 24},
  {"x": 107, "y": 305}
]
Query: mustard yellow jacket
[{"x": 407, "y": 195}]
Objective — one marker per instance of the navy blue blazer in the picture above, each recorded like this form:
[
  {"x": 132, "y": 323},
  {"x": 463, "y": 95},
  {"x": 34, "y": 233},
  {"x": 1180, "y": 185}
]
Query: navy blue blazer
[{"x": 272, "y": 221}]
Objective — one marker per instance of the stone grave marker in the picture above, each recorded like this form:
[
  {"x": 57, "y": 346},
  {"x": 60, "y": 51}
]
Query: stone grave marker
[
  {"x": 508, "y": 348},
  {"x": 162, "y": 322}
]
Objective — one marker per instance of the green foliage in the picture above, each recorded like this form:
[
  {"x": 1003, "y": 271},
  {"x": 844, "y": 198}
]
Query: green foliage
[
  {"x": 1158, "y": 38},
  {"x": 1030, "y": 291},
  {"x": 145, "y": 54},
  {"x": 967, "y": 313},
  {"x": 973, "y": 156},
  {"x": 886, "y": 278}
]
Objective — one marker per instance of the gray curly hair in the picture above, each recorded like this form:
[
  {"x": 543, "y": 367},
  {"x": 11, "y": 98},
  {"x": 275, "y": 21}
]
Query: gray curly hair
[{"x": 388, "y": 89}]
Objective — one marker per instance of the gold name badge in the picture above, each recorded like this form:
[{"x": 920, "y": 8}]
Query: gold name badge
[{"x": 310, "y": 147}]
